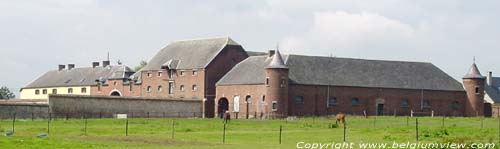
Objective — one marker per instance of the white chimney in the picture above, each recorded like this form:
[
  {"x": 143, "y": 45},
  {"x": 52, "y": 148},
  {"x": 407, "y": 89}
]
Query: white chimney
[{"x": 489, "y": 78}]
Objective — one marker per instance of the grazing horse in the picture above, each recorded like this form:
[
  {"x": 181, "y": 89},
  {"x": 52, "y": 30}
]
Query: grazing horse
[
  {"x": 227, "y": 117},
  {"x": 340, "y": 118}
]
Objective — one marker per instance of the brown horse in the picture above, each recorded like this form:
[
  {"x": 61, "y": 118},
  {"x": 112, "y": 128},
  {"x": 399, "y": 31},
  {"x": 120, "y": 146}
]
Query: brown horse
[{"x": 340, "y": 118}]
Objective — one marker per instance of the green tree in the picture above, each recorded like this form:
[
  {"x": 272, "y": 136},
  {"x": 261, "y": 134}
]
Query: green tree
[
  {"x": 5, "y": 93},
  {"x": 141, "y": 65}
]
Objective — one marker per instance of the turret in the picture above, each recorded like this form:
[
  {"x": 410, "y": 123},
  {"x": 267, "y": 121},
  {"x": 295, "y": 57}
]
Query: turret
[
  {"x": 474, "y": 87},
  {"x": 277, "y": 85}
]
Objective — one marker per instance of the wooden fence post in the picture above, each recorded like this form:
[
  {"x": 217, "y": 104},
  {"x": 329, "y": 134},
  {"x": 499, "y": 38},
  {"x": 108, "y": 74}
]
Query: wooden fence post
[
  {"x": 224, "y": 134},
  {"x": 416, "y": 127},
  {"x": 173, "y": 128},
  {"x": 85, "y": 129},
  {"x": 281, "y": 129},
  {"x": 126, "y": 127},
  {"x": 14, "y": 123}
]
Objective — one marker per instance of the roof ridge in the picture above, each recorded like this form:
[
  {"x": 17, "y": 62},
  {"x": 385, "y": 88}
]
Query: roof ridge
[
  {"x": 360, "y": 59},
  {"x": 206, "y": 38}
]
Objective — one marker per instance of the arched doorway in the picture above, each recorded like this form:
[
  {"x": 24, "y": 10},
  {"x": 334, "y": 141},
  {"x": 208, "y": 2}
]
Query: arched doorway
[
  {"x": 222, "y": 106},
  {"x": 115, "y": 93}
]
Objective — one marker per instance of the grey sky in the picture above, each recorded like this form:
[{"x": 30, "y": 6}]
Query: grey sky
[{"x": 36, "y": 35}]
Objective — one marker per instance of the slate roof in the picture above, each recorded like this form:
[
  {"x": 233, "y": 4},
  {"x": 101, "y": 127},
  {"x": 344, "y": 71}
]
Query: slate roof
[
  {"x": 493, "y": 90},
  {"x": 473, "y": 73},
  {"x": 315, "y": 70},
  {"x": 277, "y": 61},
  {"x": 189, "y": 54},
  {"x": 80, "y": 76}
]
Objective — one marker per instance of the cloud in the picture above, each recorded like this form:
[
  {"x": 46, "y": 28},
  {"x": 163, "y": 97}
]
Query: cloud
[{"x": 352, "y": 32}]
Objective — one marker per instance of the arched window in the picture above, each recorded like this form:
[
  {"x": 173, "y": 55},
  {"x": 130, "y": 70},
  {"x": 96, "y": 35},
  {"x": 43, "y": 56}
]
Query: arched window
[
  {"x": 248, "y": 99},
  {"x": 148, "y": 89},
  {"x": 194, "y": 88},
  {"x": 160, "y": 88},
  {"x": 182, "y": 88},
  {"x": 355, "y": 101},
  {"x": 70, "y": 90}
]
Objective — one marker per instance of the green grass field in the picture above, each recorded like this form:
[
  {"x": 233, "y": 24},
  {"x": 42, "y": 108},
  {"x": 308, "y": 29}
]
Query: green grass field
[{"x": 252, "y": 133}]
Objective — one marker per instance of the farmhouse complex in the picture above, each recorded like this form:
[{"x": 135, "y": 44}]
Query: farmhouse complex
[{"x": 222, "y": 75}]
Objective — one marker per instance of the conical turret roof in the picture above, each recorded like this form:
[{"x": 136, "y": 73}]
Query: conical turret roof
[
  {"x": 473, "y": 73},
  {"x": 277, "y": 61}
]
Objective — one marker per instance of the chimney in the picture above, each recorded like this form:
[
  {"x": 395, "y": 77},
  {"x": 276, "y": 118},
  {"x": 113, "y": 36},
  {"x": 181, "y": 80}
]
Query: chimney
[
  {"x": 61, "y": 67},
  {"x": 71, "y": 66},
  {"x": 95, "y": 64},
  {"x": 271, "y": 53},
  {"x": 105, "y": 63},
  {"x": 489, "y": 78}
]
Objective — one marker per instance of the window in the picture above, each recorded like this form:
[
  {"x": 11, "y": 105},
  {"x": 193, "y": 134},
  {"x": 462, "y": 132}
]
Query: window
[
  {"x": 131, "y": 87},
  {"x": 194, "y": 88},
  {"x": 332, "y": 101},
  {"x": 248, "y": 99},
  {"x": 455, "y": 105},
  {"x": 99, "y": 87},
  {"x": 182, "y": 88},
  {"x": 70, "y": 90},
  {"x": 84, "y": 90},
  {"x": 355, "y": 101},
  {"x": 283, "y": 82},
  {"x": 195, "y": 73},
  {"x": 37, "y": 92},
  {"x": 160, "y": 88},
  {"x": 263, "y": 98},
  {"x": 44, "y": 91},
  {"x": 54, "y": 91},
  {"x": 114, "y": 83},
  {"x": 405, "y": 104},
  {"x": 426, "y": 104},
  {"x": 182, "y": 73},
  {"x": 149, "y": 75},
  {"x": 170, "y": 87},
  {"x": 275, "y": 106},
  {"x": 236, "y": 103},
  {"x": 160, "y": 74},
  {"x": 267, "y": 81},
  {"x": 298, "y": 99},
  {"x": 148, "y": 89},
  {"x": 171, "y": 74},
  {"x": 477, "y": 90}
]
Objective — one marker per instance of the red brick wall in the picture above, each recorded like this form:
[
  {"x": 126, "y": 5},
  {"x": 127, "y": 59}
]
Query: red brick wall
[
  {"x": 254, "y": 91},
  {"x": 315, "y": 100},
  {"x": 124, "y": 89},
  {"x": 475, "y": 103}
]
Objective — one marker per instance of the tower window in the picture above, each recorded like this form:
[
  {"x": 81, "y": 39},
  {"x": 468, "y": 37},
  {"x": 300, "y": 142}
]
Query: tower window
[
  {"x": 477, "y": 90},
  {"x": 267, "y": 81},
  {"x": 275, "y": 105},
  {"x": 283, "y": 82}
]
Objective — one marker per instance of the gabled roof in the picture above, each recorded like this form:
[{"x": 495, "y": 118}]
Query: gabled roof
[
  {"x": 189, "y": 54},
  {"x": 473, "y": 73},
  {"x": 84, "y": 76},
  {"x": 315, "y": 70}
]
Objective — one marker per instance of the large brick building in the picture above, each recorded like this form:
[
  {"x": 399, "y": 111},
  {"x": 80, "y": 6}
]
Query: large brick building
[
  {"x": 298, "y": 85},
  {"x": 219, "y": 72}
]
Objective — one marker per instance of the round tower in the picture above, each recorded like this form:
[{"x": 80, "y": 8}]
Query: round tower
[
  {"x": 277, "y": 86},
  {"x": 474, "y": 87}
]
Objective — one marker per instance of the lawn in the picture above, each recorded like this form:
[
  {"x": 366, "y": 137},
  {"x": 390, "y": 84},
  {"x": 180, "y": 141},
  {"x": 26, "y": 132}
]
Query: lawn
[{"x": 251, "y": 133}]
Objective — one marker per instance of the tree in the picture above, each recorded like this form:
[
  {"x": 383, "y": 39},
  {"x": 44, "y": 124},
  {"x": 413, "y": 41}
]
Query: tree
[
  {"x": 5, "y": 93},
  {"x": 141, "y": 65}
]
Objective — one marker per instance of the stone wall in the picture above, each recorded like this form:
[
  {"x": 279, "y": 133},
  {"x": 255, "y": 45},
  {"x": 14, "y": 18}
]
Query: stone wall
[
  {"x": 23, "y": 109},
  {"x": 105, "y": 106}
]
